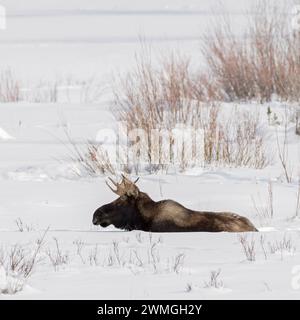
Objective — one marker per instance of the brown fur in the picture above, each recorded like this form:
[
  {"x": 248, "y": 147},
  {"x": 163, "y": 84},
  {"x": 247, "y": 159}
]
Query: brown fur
[
  {"x": 170, "y": 216},
  {"x": 137, "y": 211}
]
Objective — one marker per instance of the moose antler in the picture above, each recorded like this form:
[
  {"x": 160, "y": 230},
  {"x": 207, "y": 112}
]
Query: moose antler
[
  {"x": 120, "y": 187},
  {"x": 124, "y": 187},
  {"x": 127, "y": 181}
]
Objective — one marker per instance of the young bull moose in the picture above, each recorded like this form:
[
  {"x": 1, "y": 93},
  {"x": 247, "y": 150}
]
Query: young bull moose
[{"x": 135, "y": 210}]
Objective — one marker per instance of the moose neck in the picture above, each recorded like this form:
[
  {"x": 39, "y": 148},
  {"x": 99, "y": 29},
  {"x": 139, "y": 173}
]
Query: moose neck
[{"x": 146, "y": 206}]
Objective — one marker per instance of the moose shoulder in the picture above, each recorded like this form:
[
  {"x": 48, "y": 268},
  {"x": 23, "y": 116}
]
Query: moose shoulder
[{"x": 135, "y": 210}]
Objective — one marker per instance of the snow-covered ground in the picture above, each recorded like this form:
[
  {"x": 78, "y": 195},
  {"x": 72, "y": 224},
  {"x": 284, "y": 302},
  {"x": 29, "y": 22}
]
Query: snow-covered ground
[
  {"x": 41, "y": 190},
  {"x": 39, "y": 183},
  {"x": 77, "y": 38}
]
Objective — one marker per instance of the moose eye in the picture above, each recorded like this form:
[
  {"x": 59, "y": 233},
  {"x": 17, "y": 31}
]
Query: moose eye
[{"x": 123, "y": 198}]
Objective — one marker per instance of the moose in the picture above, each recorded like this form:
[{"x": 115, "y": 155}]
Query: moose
[{"x": 135, "y": 210}]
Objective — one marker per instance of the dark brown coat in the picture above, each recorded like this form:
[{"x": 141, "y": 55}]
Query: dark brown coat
[{"x": 135, "y": 210}]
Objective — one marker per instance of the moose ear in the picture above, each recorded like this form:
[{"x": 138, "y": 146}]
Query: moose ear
[
  {"x": 134, "y": 192},
  {"x": 131, "y": 189}
]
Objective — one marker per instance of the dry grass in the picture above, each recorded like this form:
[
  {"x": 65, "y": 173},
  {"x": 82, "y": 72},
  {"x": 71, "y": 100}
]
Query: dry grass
[
  {"x": 159, "y": 99},
  {"x": 23, "y": 226},
  {"x": 297, "y": 211},
  {"x": 214, "y": 280},
  {"x": 17, "y": 264},
  {"x": 91, "y": 159},
  {"x": 236, "y": 141},
  {"x": 9, "y": 87},
  {"x": 94, "y": 256},
  {"x": 61, "y": 89},
  {"x": 142, "y": 256},
  {"x": 43, "y": 92},
  {"x": 283, "y": 152},
  {"x": 265, "y": 208},
  {"x": 98, "y": 161},
  {"x": 297, "y": 122},
  {"x": 57, "y": 256},
  {"x": 263, "y": 247},
  {"x": 263, "y": 62},
  {"x": 65, "y": 89},
  {"x": 80, "y": 245},
  {"x": 284, "y": 246},
  {"x": 248, "y": 247}
]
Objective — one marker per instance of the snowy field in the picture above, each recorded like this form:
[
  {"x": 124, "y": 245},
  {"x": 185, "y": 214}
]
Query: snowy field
[{"x": 42, "y": 188}]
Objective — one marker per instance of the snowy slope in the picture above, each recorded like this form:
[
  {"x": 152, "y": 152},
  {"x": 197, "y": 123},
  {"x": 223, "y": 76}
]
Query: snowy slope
[
  {"x": 83, "y": 38},
  {"x": 44, "y": 192}
]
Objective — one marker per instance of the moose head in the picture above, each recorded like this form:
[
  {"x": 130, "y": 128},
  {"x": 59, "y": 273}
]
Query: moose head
[{"x": 123, "y": 213}]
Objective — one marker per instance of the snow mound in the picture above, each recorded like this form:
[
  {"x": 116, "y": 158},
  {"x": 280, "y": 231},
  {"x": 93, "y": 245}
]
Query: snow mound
[
  {"x": 5, "y": 136},
  {"x": 8, "y": 284},
  {"x": 46, "y": 173}
]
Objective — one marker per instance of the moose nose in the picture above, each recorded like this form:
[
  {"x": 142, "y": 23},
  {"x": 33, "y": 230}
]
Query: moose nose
[
  {"x": 95, "y": 220},
  {"x": 97, "y": 216}
]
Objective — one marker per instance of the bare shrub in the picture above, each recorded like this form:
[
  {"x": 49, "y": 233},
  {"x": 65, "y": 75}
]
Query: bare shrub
[
  {"x": 262, "y": 244},
  {"x": 92, "y": 159},
  {"x": 237, "y": 141},
  {"x": 152, "y": 99},
  {"x": 262, "y": 62},
  {"x": 248, "y": 247},
  {"x": 271, "y": 199},
  {"x": 79, "y": 247},
  {"x": 9, "y": 87},
  {"x": 2, "y": 255},
  {"x": 214, "y": 281},
  {"x": 205, "y": 88},
  {"x": 282, "y": 246},
  {"x": 267, "y": 286},
  {"x": 17, "y": 264},
  {"x": 91, "y": 90},
  {"x": 22, "y": 262},
  {"x": 94, "y": 256},
  {"x": 115, "y": 257},
  {"x": 283, "y": 152},
  {"x": 116, "y": 251},
  {"x": 139, "y": 262},
  {"x": 178, "y": 262},
  {"x": 16, "y": 257},
  {"x": 188, "y": 287},
  {"x": 22, "y": 226},
  {"x": 265, "y": 212},
  {"x": 97, "y": 160},
  {"x": 139, "y": 237},
  {"x": 63, "y": 89},
  {"x": 297, "y": 213},
  {"x": 10, "y": 285},
  {"x": 146, "y": 258},
  {"x": 159, "y": 99},
  {"x": 154, "y": 257},
  {"x": 43, "y": 92},
  {"x": 297, "y": 122},
  {"x": 56, "y": 256}
]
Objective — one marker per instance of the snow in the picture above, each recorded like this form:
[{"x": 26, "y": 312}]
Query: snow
[
  {"x": 84, "y": 38},
  {"x": 4, "y": 135},
  {"x": 38, "y": 185},
  {"x": 41, "y": 186}
]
